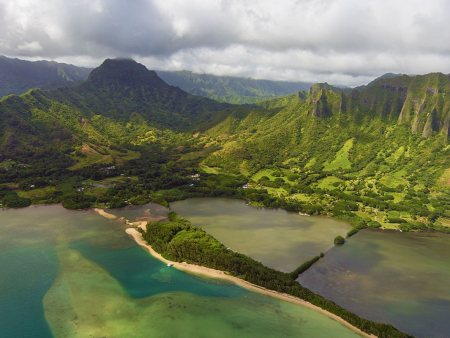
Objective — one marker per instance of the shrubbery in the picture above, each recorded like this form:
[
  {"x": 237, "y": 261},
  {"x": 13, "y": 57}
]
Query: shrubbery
[
  {"x": 396, "y": 220},
  {"x": 374, "y": 224},
  {"x": 78, "y": 201},
  {"x": 412, "y": 226},
  {"x": 339, "y": 240},
  {"x": 14, "y": 201}
]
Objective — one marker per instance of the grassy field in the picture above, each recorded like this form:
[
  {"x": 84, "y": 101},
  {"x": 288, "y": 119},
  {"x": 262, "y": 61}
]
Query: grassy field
[
  {"x": 115, "y": 180},
  {"x": 291, "y": 160},
  {"x": 310, "y": 163},
  {"x": 36, "y": 194},
  {"x": 278, "y": 192},
  {"x": 443, "y": 183},
  {"x": 210, "y": 170},
  {"x": 398, "y": 197},
  {"x": 395, "y": 155},
  {"x": 393, "y": 180},
  {"x": 301, "y": 197},
  {"x": 341, "y": 160},
  {"x": 327, "y": 182},
  {"x": 398, "y": 214},
  {"x": 379, "y": 218},
  {"x": 215, "y": 170},
  {"x": 268, "y": 173},
  {"x": 94, "y": 155},
  {"x": 366, "y": 169},
  {"x": 444, "y": 221}
]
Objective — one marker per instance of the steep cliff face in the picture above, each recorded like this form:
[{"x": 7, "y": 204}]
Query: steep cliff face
[
  {"x": 421, "y": 102},
  {"x": 326, "y": 103}
]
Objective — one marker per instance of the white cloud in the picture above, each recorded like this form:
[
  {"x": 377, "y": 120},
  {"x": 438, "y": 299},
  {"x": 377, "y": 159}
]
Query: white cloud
[
  {"x": 33, "y": 46},
  {"x": 339, "y": 41}
]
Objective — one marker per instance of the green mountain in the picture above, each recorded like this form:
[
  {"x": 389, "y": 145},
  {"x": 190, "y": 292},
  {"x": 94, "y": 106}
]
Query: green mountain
[
  {"x": 231, "y": 89},
  {"x": 121, "y": 89},
  {"x": 384, "y": 146},
  {"x": 415, "y": 106},
  {"x": 387, "y": 144},
  {"x": 18, "y": 76},
  {"x": 382, "y": 77},
  {"x": 319, "y": 86},
  {"x": 121, "y": 104}
]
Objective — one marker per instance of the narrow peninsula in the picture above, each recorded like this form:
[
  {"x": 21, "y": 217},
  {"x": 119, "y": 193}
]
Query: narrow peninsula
[{"x": 192, "y": 250}]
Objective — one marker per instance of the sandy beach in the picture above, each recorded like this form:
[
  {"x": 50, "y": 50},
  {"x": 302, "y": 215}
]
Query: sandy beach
[
  {"x": 196, "y": 269},
  {"x": 141, "y": 224},
  {"x": 104, "y": 213}
]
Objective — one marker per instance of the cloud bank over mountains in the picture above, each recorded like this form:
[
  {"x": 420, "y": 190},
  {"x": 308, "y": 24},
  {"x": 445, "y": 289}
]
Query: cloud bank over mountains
[{"x": 347, "y": 42}]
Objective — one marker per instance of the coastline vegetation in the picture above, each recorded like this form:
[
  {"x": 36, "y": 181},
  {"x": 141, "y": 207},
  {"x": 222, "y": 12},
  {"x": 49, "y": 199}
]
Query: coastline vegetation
[
  {"x": 180, "y": 241},
  {"x": 305, "y": 266},
  {"x": 339, "y": 240}
]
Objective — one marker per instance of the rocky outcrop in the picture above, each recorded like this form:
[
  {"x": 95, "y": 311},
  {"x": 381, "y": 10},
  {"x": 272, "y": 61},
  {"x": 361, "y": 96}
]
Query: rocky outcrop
[
  {"x": 321, "y": 105},
  {"x": 431, "y": 125}
]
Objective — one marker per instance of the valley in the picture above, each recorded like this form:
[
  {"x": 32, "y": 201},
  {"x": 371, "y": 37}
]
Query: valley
[{"x": 317, "y": 153}]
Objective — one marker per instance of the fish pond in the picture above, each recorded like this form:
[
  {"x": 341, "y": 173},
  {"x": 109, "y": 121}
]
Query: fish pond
[
  {"x": 277, "y": 238},
  {"x": 392, "y": 277}
]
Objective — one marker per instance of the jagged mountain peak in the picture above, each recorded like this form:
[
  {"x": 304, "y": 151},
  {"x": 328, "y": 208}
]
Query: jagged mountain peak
[
  {"x": 316, "y": 88},
  {"x": 125, "y": 72}
]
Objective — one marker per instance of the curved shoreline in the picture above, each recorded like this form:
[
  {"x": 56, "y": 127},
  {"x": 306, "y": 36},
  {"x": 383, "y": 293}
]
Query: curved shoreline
[
  {"x": 197, "y": 269},
  {"x": 105, "y": 214}
]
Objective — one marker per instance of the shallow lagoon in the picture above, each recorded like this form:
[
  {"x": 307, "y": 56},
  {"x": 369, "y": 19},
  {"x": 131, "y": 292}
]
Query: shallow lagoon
[
  {"x": 279, "y": 239},
  {"x": 388, "y": 276},
  {"x": 76, "y": 274}
]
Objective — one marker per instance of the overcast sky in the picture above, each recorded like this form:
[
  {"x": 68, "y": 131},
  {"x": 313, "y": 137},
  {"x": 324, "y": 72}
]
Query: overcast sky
[{"x": 345, "y": 42}]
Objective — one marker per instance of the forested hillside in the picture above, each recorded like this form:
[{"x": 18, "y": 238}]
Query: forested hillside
[
  {"x": 19, "y": 76},
  {"x": 121, "y": 105},
  {"x": 383, "y": 148},
  {"x": 378, "y": 154}
]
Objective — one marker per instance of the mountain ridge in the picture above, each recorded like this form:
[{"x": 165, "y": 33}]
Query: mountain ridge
[
  {"x": 231, "y": 89},
  {"x": 19, "y": 76},
  {"x": 118, "y": 104}
]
